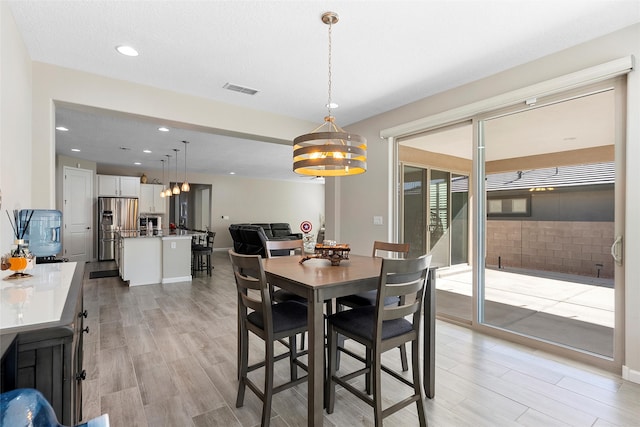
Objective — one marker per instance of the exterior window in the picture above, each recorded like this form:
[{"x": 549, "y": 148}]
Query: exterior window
[{"x": 516, "y": 206}]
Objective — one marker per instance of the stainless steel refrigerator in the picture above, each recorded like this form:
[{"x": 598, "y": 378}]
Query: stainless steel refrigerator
[{"x": 114, "y": 214}]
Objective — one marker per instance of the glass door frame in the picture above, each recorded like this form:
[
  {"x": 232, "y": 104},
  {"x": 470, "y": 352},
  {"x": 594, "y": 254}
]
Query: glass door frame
[{"x": 477, "y": 209}]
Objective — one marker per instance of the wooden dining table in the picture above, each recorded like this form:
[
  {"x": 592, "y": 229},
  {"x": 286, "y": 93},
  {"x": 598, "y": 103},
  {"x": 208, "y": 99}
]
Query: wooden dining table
[{"x": 318, "y": 281}]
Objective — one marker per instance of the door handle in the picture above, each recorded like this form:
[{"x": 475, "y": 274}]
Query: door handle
[
  {"x": 616, "y": 250},
  {"x": 88, "y": 228}
]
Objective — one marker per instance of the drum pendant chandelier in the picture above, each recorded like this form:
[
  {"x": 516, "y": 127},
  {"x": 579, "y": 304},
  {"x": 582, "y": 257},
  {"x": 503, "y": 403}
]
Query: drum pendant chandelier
[{"x": 329, "y": 150}]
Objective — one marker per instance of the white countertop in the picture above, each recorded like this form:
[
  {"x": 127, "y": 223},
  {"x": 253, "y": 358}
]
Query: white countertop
[
  {"x": 166, "y": 234},
  {"x": 37, "y": 299}
]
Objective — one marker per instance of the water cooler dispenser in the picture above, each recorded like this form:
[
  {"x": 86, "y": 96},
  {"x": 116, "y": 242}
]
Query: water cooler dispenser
[{"x": 43, "y": 233}]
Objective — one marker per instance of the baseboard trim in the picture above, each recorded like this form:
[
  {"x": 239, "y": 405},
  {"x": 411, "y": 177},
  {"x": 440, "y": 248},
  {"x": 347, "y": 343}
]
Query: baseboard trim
[
  {"x": 176, "y": 279},
  {"x": 630, "y": 374}
]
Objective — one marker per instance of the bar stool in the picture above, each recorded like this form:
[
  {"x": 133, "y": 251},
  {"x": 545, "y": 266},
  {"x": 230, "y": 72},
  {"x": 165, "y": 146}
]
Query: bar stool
[
  {"x": 270, "y": 322},
  {"x": 365, "y": 299},
  {"x": 201, "y": 254},
  {"x": 380, "y": 328}
]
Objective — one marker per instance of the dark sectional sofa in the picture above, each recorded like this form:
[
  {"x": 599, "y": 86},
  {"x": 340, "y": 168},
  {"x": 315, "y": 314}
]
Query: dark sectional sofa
[{"x": 248, "y": 238}]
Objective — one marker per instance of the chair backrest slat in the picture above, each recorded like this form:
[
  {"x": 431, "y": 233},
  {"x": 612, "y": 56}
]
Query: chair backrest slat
[
  {"x": 399, "y": 249},
  {"x": 252, "y": 303},
  {"x": 402, "y": 289},
  {"x": 295, "y": 246},
  {"x": 398, "y": 312}
]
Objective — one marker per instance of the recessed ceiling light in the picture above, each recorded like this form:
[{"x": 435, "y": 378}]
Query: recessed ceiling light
[
  {"x": 137, "y": 163},
  {"x": 163, "y": 129},
  {"x": 232, "y": 173},
  {"x": 146, "y": 151},
  {"x": 127, "y": 50},
  {"x": 62, "y": 128},
  {"x": 75, "y": 150}
]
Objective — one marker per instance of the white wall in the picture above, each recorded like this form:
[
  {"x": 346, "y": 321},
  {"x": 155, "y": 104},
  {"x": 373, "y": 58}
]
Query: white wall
[
  {"x": 56, "y": 84},
  {"x": 355, "y": 204},
  {"x": 249, "y": 200},
  {"x": 15, "y": 125}
]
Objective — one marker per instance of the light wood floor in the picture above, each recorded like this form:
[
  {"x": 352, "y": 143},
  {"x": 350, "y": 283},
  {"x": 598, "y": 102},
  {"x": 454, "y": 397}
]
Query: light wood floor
[{"x": 165, "y": 355}]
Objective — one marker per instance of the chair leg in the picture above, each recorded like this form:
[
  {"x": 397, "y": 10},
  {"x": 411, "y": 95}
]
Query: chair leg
[
  {"x": 268, "y": 383},
  {"x": 341, "y": 338},
  {"x": 330, "y": 386},
  {"x": 340, "y": 343},
  {"x": 368, "y": 363},
  {"x": 329, "y": 307},
  {"x": 243, "y": 363},
  {"x": 293, "y": 354},
  {"x": 417, "y": 383},
  {"x": 243, "y": 346},
  {"x": 376, "y": 373},
  {"x": 403, "y": 357},
  {"x": 209, "y": 264}
]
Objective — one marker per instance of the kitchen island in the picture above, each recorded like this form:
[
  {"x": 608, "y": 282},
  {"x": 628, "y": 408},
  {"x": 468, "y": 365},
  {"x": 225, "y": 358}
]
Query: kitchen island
[{"x": 144, "y": 259}]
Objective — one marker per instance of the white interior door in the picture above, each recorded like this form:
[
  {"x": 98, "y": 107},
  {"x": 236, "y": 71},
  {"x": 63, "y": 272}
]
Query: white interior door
[{"x": 77, "y": 215}]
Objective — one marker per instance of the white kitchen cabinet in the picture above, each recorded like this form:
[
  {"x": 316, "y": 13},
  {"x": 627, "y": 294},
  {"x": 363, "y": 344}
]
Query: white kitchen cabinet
[
  {"x": 150, "y": 199},
  {"x": 118, "y": 186},
  {"x": 129, "y": 186},
  {"x": 108, "y": 185}
]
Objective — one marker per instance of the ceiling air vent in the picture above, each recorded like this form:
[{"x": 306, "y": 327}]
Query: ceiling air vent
[{"x": 241, "y": 89}]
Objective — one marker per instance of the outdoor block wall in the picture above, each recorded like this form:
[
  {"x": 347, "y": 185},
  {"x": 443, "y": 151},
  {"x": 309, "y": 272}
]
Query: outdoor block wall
[{"x": 572, "y": 247}]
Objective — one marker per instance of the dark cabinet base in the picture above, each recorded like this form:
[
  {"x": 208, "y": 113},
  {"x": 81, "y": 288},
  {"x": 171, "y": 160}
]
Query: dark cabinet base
[
  {"x": 45, "y": 363},
  {"x": 9, "y": 362}
]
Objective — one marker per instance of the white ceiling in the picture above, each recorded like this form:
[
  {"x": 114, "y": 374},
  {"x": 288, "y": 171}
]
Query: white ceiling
[{"x": 385, "y": 54}]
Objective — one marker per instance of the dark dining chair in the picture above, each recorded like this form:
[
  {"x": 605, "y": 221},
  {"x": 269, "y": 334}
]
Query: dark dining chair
[
  {"x": 270, "y": 322},
  {"x": 274, "y": 248},
  {"x": 201, "y": 254},
  {"x": 380, "y": 328},
  {"x": 368, "y": 298}
]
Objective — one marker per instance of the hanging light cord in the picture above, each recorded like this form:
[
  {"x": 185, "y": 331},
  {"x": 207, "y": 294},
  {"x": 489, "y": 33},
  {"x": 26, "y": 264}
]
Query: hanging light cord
[
  {"x": 185, "y": 161},
  {"x": 176, "y": 150},
  {"x": 329, "y": 89}
]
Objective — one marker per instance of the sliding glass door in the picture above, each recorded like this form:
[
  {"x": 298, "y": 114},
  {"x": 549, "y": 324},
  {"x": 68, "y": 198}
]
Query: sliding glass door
[
  {"x": 522, "y": 210},
  {"x": 435, "y": 211},
  {"x": 550, "y": 221}
]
